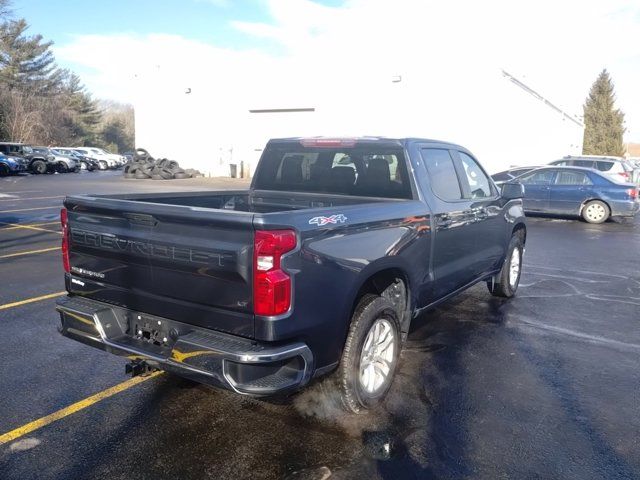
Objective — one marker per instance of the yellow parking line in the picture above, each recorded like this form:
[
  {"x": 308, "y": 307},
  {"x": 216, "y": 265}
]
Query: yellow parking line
[
  {"x": 73, "y": 408},
  {"x": 31, "y": 300},
  {"x": 18, "y": 254},
  {"x": 26, "y": 199},
  {"x": 28, "y": 227},
  {"x": 30, "y": 209},
  {"x": 18, "y": 225}
]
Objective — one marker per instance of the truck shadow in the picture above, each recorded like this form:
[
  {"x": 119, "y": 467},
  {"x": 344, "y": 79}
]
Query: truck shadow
[{"x": 422, "y": 429}]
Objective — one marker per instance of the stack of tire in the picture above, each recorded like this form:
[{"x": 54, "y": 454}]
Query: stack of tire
[{"x": 144, "y": 166}]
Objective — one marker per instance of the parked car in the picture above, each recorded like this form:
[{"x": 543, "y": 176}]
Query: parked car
[
  {"x": 616, "y": 167},
  {"x": 119, "y": 159},
  {"x": 12, "y": 165},
  {"x": 320, "y": 266},
  {"x": 61, "y": 163},
  {"x": 85, "y": 163},
  {"x": 508, "y": 175},
  {"x": 578, "y": 191},
  {"x": 36, "y": 162},
  {"x": 105, "y": 162}
]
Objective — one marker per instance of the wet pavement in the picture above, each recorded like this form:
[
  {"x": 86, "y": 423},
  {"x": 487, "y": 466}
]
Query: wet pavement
[{"x": 546, "y": 385}]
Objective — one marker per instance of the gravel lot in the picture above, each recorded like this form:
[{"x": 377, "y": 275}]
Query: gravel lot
[{"x": 544, "y": 386}]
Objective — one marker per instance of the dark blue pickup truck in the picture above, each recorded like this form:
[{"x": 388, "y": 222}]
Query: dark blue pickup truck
[{"x": 318, "y": 268}]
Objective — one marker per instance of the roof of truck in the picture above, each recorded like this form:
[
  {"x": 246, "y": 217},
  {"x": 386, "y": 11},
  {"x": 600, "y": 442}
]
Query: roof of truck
[{"x": 362, "y": 139}]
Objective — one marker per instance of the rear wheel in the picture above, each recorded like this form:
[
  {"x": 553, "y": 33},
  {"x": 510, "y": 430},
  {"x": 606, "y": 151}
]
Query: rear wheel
[
  {"x": 38, "y": 166},
  {"x": 4, "y": 170},
  {"x": 103, "y": 165},
  {"x": 505, "y": 283},
  {"x": 370, "y": 354},
  {"x": 595, "y": 211}
]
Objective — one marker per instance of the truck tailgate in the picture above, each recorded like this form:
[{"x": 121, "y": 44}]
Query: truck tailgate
[{"x": 187, "y": 263}]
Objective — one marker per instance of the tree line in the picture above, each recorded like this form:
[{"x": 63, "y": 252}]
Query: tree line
[{"x": 44, "y": 104}]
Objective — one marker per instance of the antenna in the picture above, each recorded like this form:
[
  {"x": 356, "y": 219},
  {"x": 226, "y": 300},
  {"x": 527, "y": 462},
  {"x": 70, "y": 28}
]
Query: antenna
[{"x": 532, "y": 92}]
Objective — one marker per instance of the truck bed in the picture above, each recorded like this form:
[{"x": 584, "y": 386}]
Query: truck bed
[{"x": 247, "y": 200}]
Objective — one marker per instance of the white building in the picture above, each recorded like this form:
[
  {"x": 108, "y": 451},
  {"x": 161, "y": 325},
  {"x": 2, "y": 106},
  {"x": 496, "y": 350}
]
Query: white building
[{"x": 209, "y": 120}]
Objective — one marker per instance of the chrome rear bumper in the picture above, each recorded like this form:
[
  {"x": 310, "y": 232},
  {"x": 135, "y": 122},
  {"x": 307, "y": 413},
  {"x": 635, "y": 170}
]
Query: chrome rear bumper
[{"x": 203, "y": 355}]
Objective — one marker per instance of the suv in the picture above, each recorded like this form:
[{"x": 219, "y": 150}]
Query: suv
[
  {"x": 59, "y": 163},
  {"x": 615, "y": 167},
  {"x": 11, "y": 165},
  {"x": 36, "y": 162}
]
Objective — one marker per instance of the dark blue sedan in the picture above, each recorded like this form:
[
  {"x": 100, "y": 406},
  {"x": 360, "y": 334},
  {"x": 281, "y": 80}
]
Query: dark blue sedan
[{"x": 578, "y": 191}]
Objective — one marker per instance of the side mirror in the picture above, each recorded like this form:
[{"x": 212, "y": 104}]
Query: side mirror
[{"x": 512, "y": 191}]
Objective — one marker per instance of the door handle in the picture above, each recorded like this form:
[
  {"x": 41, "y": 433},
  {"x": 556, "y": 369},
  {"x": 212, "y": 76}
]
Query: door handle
[
  {"x": 481, "y": 213},
  {"x": 445, "y": 221}
]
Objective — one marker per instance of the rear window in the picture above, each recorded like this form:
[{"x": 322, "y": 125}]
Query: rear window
[{"x": 365, "y": 170}]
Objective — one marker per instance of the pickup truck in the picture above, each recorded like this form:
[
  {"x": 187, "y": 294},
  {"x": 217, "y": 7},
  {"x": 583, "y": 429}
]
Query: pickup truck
[{"x": 318, "y": 268}]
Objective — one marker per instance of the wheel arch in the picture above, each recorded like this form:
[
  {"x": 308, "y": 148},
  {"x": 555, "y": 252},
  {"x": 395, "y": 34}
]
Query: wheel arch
[
  {"x": 376, "y": 281},
  {"x": 520, "y": 229},
  {"x": 584, "y": 203}
]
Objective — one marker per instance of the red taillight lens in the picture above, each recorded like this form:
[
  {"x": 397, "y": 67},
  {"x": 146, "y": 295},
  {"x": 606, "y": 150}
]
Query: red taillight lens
[
  {"x": 633, "y": 193},
  {"x": 625, "y": 175},
  {"x": 65, "y": 240},
  {"x": 271, "y": 286}
]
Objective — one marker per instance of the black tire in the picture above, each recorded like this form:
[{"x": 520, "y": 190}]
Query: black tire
[
  {"x": 370, "y": 310},
  {"x": 164, "y": 173},
  {"x": 595, "y": 212},
  {"x": 4, "y": 170},
  {"x": 147, "y": 169},
  {"x": 502, "y": 284},
  {"x": 61, "y": 168},
  {"x": 140, "y": 175},
  {"x": 129, "y": 175},
  {"x": 39, "y": 167},
  {"x": 181, "y": 175}
]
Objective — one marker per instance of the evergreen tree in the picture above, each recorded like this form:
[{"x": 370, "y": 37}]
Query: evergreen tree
[
  {"x": 5, "y": 10},
  {"x": 26, "y": 62},
  {"x": 603, "y": 123}
]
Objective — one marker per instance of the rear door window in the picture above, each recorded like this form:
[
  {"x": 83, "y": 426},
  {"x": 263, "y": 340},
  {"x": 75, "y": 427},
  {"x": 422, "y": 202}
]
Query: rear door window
[
  {"x": 603, "y": 166},
  {"x": 583, "y": 163},
  {"x": 477, "y": 181},
  {"x": 442, "y": 173},
  {"x": 572, "y": 178}
]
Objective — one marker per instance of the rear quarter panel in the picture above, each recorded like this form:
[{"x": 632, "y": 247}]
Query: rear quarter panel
[{"x": 334, "y": 260}]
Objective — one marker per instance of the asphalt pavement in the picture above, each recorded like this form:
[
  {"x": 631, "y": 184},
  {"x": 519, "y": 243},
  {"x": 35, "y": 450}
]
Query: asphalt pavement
[{"x": 545, "y": 385}]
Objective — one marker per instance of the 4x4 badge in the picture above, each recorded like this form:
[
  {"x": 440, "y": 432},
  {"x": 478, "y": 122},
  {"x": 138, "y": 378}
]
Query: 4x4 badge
[{"x": 333, "y": 219}]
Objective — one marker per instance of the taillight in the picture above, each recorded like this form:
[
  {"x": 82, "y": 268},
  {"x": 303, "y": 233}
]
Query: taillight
[
  {"x": 65, "y": 240},
  {"x": 633, "y": 193},
  {"x": 624, "y": 174},
  {"x": 271, "y": 286}
]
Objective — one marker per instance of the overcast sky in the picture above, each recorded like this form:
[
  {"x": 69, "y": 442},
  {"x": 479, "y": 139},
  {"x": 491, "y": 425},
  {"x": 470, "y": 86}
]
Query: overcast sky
[{"x": 557, "y": 47}]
